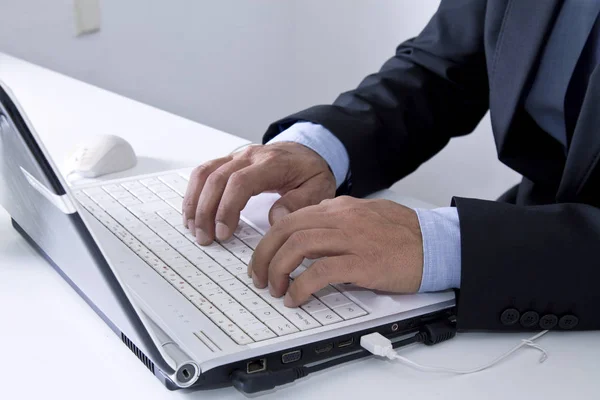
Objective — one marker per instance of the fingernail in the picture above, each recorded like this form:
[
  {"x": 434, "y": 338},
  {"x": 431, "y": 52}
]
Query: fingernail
[
  {"x": 287, "y": 301},
  {"x": 279, "y": 212},
  {"x": 190, "y": 224},
  {"x": 222, "y": 231},
  {"x": 202, "y": 237},
  {"x": 256, "y": 282}
]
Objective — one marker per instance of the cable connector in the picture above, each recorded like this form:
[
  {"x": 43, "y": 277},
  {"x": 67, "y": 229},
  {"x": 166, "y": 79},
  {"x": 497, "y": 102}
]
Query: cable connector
[{"x": 377, "y": 344}]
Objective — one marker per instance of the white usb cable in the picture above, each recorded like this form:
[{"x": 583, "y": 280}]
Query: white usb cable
[{"x": 379, "y": 345}]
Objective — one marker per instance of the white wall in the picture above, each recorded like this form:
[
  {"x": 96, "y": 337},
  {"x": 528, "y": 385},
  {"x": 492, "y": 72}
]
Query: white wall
[{"x": 239, "y": 64}]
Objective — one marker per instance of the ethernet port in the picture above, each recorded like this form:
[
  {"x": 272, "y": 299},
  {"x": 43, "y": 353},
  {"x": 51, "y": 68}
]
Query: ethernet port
[{"x": 256, "y": 366}]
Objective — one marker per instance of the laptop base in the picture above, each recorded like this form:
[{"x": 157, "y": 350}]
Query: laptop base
[{"x": 325, "y": 353}]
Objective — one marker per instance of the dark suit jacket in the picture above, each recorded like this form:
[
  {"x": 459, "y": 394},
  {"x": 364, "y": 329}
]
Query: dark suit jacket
[{"x": 532, "y": 259}]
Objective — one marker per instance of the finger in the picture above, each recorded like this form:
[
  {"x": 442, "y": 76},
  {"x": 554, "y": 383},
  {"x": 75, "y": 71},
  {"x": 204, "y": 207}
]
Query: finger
[
  {"x": 241, "y": 186},
  {"x": 321, "y": 273},
  {"x": 311, "y": 192},
  {"x": 192, "y": 194},
  {"x": 314, "y": 243},
  {"x": 307, "y": 218},
  {"x": 210, "y": 197}
]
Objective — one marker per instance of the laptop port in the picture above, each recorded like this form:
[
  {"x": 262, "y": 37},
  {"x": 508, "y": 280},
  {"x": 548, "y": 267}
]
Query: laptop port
[
  {"x": 326, "y": 348},
  {"x": 345, "y": 343},
  {"x": 256, "y": 366},
  {"x": 291, "y": 357}
]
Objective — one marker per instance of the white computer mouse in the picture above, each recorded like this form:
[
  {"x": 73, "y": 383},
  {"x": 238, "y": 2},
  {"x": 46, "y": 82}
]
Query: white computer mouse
[{"x": 101, "y": 155}]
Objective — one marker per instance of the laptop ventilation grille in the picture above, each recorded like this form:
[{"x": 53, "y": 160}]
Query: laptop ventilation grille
[{"x": 139, "y": 354}]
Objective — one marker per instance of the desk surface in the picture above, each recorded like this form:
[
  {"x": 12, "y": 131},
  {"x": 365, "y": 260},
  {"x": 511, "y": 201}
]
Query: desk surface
[{"x": 46, "y": 329}]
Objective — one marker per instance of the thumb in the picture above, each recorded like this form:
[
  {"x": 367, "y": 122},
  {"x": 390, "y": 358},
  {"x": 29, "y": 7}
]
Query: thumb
[{"x": 310, "y": 193}]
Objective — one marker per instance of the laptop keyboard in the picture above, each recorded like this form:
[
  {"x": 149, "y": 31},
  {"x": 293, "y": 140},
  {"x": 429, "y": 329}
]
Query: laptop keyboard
[{"x": 146, "y": 215}]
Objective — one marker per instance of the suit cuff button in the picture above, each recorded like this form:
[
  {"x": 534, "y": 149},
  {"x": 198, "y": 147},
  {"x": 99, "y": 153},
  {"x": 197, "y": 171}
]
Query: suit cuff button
[
  {"x": 548, "y": 321},
  {"x": 510, "y": 316},
  {"x": 529, "y": 319},
  {"x": 567, "y": 322}
]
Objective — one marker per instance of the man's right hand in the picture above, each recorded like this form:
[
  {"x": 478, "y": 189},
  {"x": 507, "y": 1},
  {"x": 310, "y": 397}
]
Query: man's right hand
[{"x": 219, "y": 189}]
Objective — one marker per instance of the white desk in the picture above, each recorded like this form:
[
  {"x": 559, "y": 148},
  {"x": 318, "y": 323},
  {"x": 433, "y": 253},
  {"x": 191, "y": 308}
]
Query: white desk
[{"x": 54, "y": 345}]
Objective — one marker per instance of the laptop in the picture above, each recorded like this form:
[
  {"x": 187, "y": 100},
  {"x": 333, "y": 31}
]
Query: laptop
[{"x": 188, "y": 312}]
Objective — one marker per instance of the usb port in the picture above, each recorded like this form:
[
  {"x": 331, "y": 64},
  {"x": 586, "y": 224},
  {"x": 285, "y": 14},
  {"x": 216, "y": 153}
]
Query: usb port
[{"x": 345, "y": 343}]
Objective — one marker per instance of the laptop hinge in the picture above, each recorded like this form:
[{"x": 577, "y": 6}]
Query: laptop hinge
[{"x": 63, "y": 203}]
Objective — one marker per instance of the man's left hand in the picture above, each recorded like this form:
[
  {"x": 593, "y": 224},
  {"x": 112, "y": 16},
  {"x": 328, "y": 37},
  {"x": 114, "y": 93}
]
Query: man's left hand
[{"x": 374, "y": 244}]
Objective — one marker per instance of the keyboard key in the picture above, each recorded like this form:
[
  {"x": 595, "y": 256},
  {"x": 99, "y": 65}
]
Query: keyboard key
[
  {"x": 350, "y": 311},
  {"x": 203, "y": 284},
  {"x": 326, "y": 317},
  {"x": 168, "y": 195},
  {"x": 119, "y": 194},
  {"x": 132, "y": 185},
  {"x": 148, "y": 198},
  {"x": 277, "y": 303},
  {"x": 159, "y": 187},
  {"x": 252, "y": 303},
  {"x": 266, "y": 313},
  {"x": 262, "y": 334},
  {"x": 334, "y": 300},
  {"x": 226, "y": 259},
  {"x": 313, "y": 306},
  {"x": 224, "y": 303},
  {"x": 243, "y": 294},
  {"x": 220, "y": 276},
  {"x": 240, "y": 337},
  {"x": 209, "y": 309},
  {"x": 244, "y": 253},
  {"x": 250, "y": 326},
  {"x": 237, "y": 269},
  {"x": 140, "y": 192},
  {"x": 240, "y": 315},
  {"x": 232, "y": 243},
  {"x": 199, "y": 301},
  {"x": 232, "y": 284},
  {"x": 281, "y": 326},
  {"x": 252, "y": 241},
  {"x": 247, "y": 280},
  {"x": 325, "y": 291},
  {"x": 243, "y": 232},
  {"x": 171, "y": 216},
  {"x": 301, "y": 319},
  {"x": 149, "y": 181},
  {"x": 175, "y": 202},
  {"x": 175, "y": 182},
  {"x": 209, "y": 267}
]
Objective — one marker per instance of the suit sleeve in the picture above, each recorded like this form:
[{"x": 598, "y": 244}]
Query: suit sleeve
[
  {"x": 435, "y": 87},
  {"x": 534, "y": 267}
]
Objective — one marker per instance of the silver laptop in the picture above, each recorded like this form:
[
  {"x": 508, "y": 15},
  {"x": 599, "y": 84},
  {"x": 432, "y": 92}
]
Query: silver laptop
[{"x": 188, "y": 312}]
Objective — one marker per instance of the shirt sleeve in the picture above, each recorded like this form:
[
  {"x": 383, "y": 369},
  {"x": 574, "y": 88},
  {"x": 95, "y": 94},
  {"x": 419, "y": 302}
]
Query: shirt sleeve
[
  {"x": 324, "y": 143},
  {"x": 440, "y": 229}
]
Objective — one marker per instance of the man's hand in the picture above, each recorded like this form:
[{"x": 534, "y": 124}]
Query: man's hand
[
  {"x": 219, "y": 189},
  {"x": 374, "y": 244}
]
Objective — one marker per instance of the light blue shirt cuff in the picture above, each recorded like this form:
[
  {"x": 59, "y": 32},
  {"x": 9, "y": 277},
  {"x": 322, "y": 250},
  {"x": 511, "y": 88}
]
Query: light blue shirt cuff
[
  {"x": 440, "y": 229},
  {"x": 323, "y": 142}
]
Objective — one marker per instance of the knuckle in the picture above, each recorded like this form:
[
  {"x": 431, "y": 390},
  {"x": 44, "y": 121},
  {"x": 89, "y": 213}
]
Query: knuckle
[
  {"x": 201, "y": 172},
  {"x": 321, "y": 270},
  {"x": 238, "y": 179},
  {"x": 298, "y": 239},
  {"x": 217, "y": 178}
]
